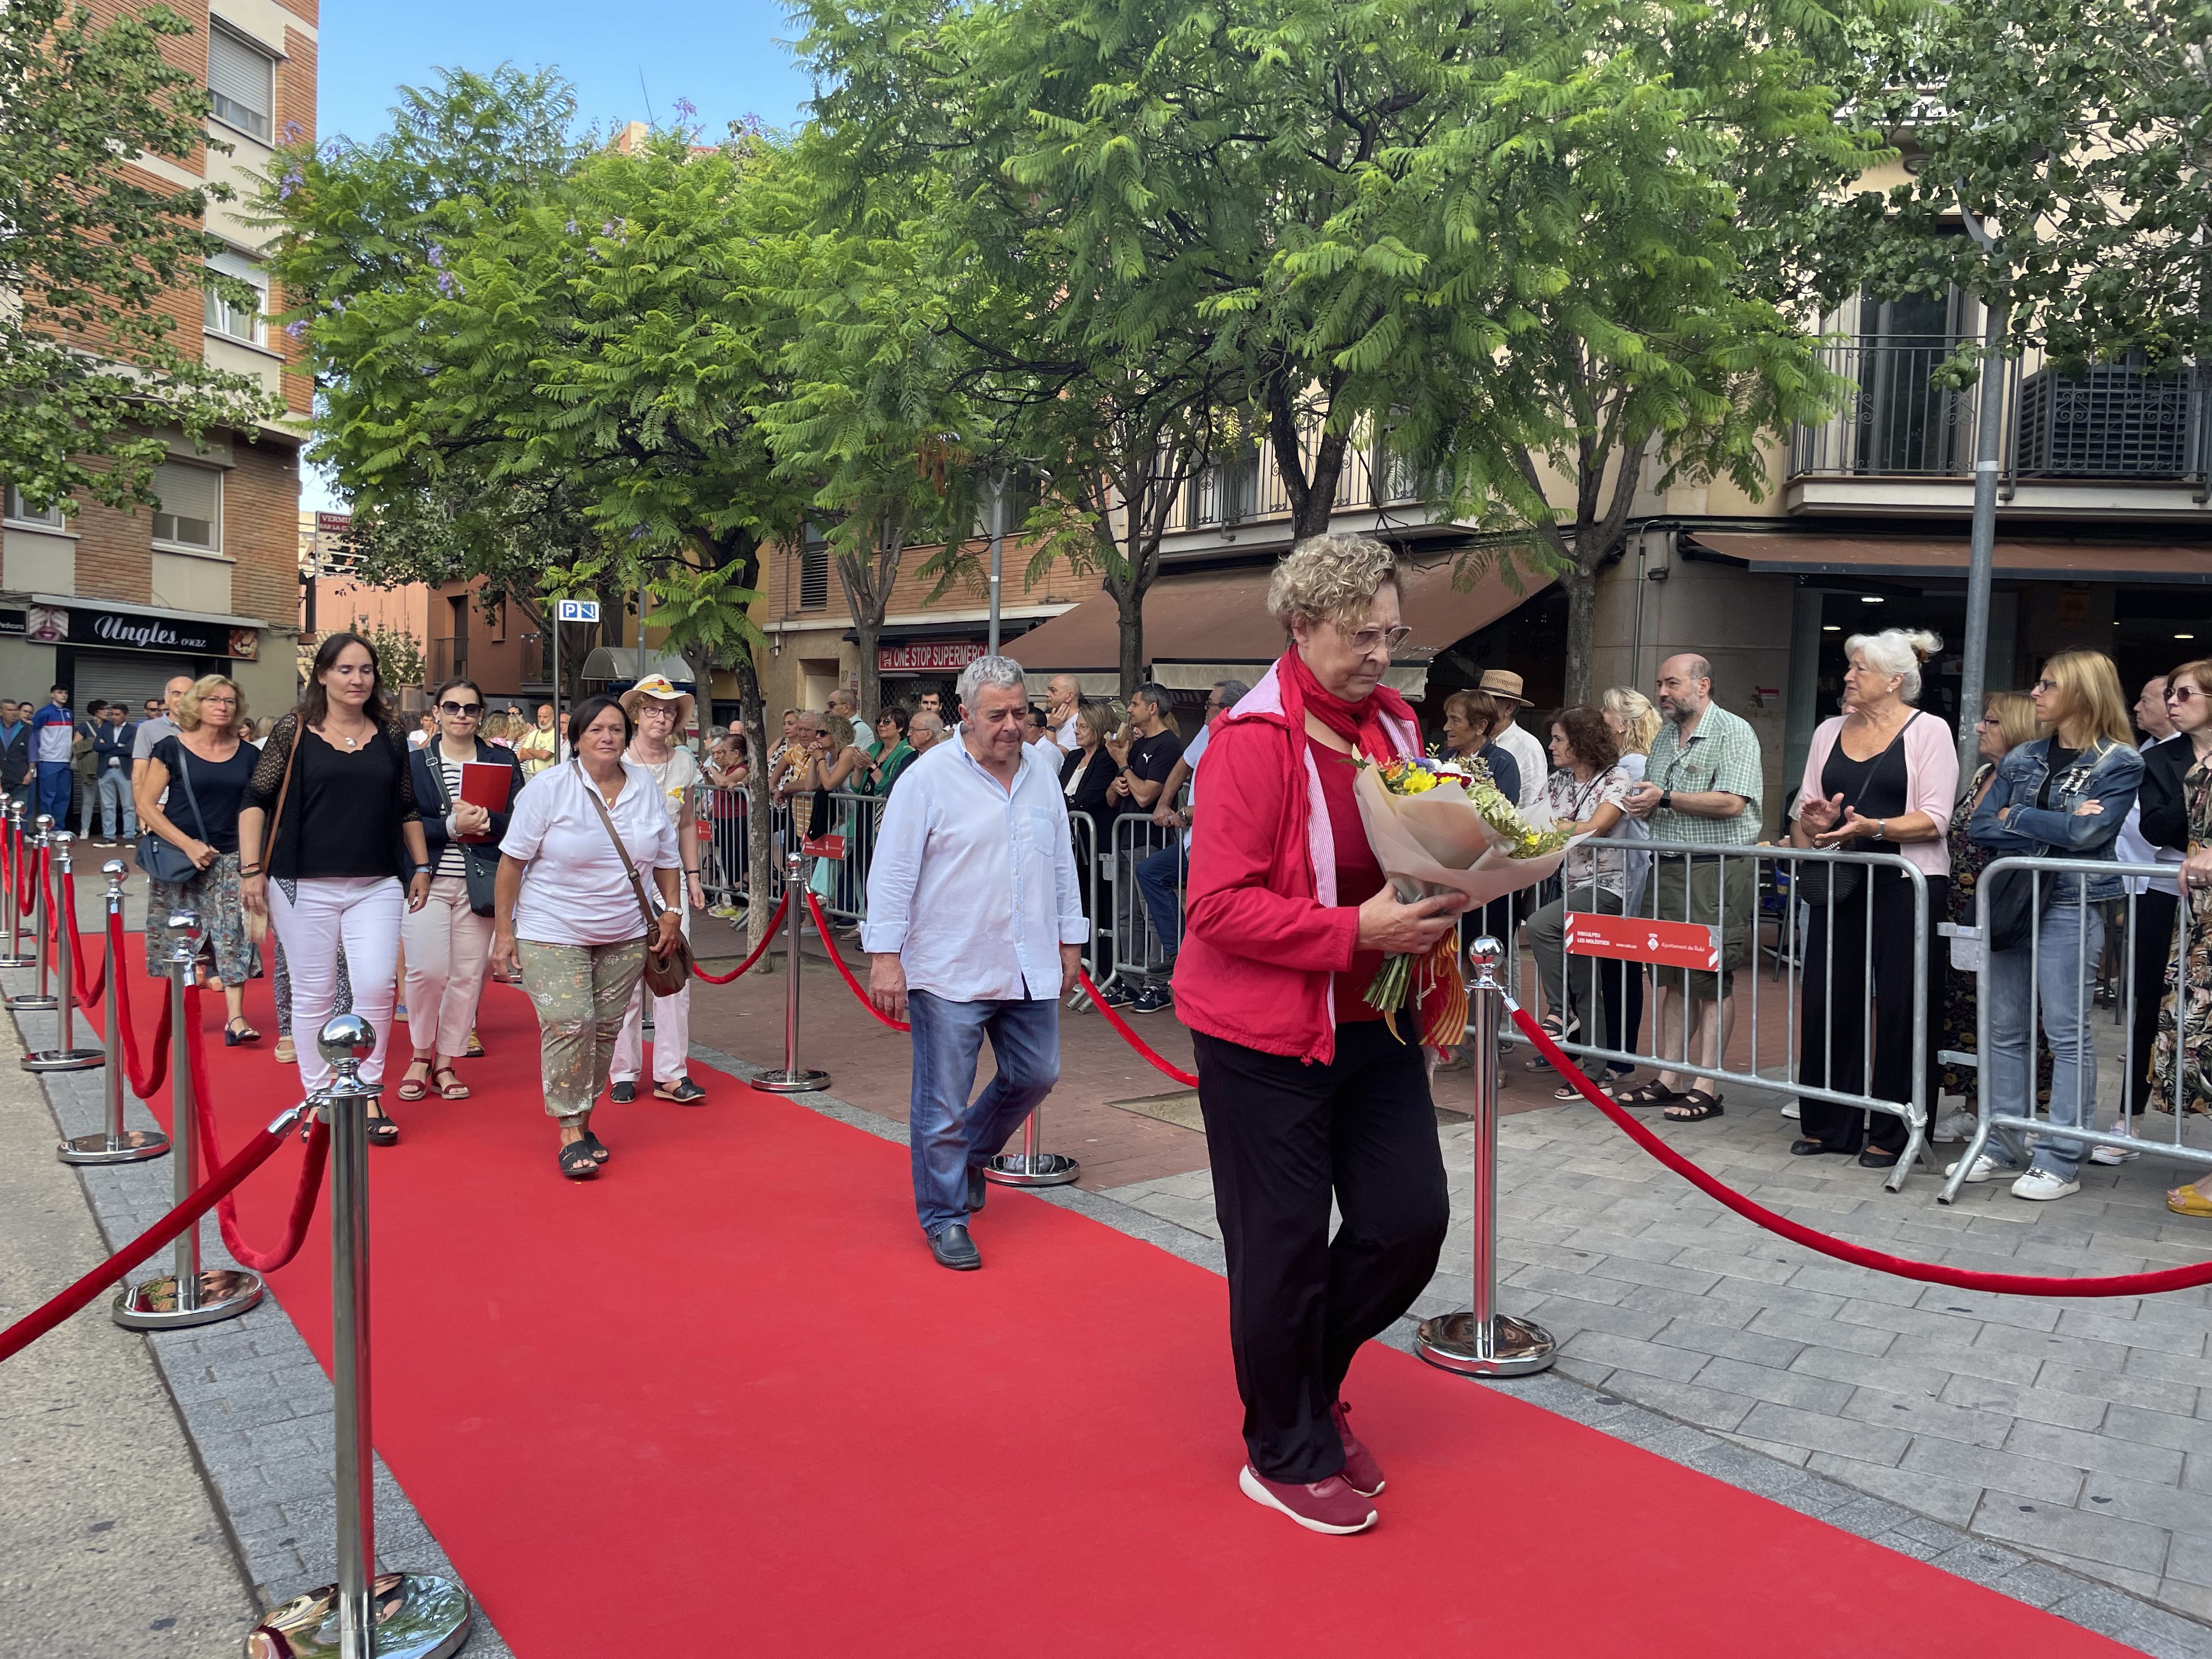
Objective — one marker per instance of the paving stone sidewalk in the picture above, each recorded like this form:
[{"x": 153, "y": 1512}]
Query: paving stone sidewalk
[{"x": 2079, "y": 1430}]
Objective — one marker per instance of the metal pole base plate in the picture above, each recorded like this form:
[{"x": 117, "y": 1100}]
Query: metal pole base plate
[
  {"x": 415, "y": 1616},
  {"x": 18, "y": 961},
  {"x": 1507, "y": 1347},
  {"x": 27, "y": 1003},
  {"x": 782, "y": 1082},
  {"x": 63, "y": 1060},
  {"x": 1043, "y": 1169},
  {"x": 224, "y": 1293},
  {"x": 132, "y": 1146}
]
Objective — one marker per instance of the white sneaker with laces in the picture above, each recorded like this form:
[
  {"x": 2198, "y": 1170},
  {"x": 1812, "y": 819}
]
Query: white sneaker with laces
[
  {"x": 2042, "y": 1185},
  {"x": 1985, "y": 1169}
]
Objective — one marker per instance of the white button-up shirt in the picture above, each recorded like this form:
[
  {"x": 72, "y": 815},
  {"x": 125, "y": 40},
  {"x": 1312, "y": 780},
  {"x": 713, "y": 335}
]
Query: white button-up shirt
[{"x": 973, "y": 884}]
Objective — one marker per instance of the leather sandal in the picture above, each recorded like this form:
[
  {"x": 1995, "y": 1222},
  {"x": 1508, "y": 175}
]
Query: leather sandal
[
  {"x": 1693, "y": 1106},
  {"x": 383, "y": 1132},
  {"x": 1654, "y": 1093},
  {"x": 2187, "y": 1200},
  {"x": 448, "y": 1083},
  {"x": 410, "y": 1086},
  {"x": 577, "y": 1162}
]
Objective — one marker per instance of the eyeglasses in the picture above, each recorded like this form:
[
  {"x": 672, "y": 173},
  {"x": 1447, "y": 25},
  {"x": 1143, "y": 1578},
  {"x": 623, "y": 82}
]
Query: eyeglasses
[
  {"x": 2182, "y": 693},
  {"x": 458, "y": 709},
  {"x": 2046, "y": 686},
  {"x": 1988, "y": 719},
  {"x": 1388, "y": 638}
]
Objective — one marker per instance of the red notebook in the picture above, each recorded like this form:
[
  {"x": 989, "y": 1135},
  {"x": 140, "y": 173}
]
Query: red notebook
[{"x": 485, "y": 784}]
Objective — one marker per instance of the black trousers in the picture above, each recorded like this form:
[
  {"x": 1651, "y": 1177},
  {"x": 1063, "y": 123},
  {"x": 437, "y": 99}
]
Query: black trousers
[
  {"x": 1834, "y": 1011},
  {"x": 1283, "y": 1136},
  {"x": 2150, "y": 952}
]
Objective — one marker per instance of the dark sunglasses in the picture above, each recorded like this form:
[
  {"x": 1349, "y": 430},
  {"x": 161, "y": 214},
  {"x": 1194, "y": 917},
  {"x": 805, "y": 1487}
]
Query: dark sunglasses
[
  {"x": 2181, "y": 693},
  {"x": 470, "y": 708}
]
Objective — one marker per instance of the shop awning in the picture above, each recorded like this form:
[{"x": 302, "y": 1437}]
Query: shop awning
[
  {"x": 1945, "y": 558},
  {"x": 1214, "y": 624}
]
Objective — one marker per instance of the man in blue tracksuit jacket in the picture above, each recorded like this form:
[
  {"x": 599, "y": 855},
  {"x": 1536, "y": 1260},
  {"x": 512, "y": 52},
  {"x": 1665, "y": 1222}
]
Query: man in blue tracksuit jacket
[{"x": 53, "y": 730}]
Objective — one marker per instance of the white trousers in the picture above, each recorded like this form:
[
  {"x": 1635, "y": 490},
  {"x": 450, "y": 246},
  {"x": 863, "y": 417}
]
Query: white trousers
[
  {"x": 672, "y": 1030},
  {"x": 448, "y": 952},
  {"x": 361, "y": 914}
]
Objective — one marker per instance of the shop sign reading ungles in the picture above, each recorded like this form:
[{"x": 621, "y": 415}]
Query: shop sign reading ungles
[
  {"x": 122, "y": 630},
  {"x": 927, "y": 656}
]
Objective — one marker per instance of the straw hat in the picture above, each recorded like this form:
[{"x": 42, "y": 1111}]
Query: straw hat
[
  {"x": 1501, "y": 683},
  {"x": 659, "y": 686}
]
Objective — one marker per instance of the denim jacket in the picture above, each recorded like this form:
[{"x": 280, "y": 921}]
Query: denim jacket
[{"x": 2109, "y": 774}]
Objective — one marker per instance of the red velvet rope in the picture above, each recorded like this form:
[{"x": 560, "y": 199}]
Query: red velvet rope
[
  {"x": 32, "y": 1326},
  {"x": 1114, "y": 1020},
  {"x": 87, "y": 997},
  {"x": 2168, "y": 1279},
  {"x": 27, "y": 880},
  {"x": 759, "y": 951},
  {"x": 144, "y": 1083},
  {"x": 311, "y": 1171},
  {"x": 821, "y": 927}
]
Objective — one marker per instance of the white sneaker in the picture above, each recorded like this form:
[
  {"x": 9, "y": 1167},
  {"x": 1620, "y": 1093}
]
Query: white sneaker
[
  {"x": 2041, "y": 1184},
  {"x": 2113, "y": 1154},
  {"x": 1985, "y": 1169},
  {"x": 1953, "y": 1125},
  {"x": 1794, "y": 1109}
]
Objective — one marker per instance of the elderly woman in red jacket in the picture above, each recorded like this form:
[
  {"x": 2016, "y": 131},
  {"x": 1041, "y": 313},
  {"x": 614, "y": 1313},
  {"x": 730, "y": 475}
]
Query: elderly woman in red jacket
[{"x": 1306, "y": 1092}]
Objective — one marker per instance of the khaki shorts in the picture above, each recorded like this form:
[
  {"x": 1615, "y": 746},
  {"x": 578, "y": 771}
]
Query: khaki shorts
[{"x": 1686, "y": 887}]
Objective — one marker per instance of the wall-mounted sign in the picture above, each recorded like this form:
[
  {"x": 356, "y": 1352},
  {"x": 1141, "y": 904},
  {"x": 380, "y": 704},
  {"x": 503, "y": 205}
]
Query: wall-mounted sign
[
  {"x": 122, "y": 630},
  {"x": 577, "y": 610},
  {"x": 927, "y": 656}
]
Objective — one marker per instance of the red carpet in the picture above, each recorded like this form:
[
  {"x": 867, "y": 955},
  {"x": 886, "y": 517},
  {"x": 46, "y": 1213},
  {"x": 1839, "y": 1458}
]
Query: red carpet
[{"x": 721, "y": 1402}]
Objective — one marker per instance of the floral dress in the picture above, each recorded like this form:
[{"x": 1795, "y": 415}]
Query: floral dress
[
  {"x": 1959, "y": 1032},
  {"x": 2185, "y": 1018}
]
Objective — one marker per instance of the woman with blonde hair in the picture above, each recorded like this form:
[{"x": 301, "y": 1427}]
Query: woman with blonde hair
[
  {"x": 204, "y": 767},
  {"x": 2065, "y": 795},
  {"x": 1634, "y": 721}
]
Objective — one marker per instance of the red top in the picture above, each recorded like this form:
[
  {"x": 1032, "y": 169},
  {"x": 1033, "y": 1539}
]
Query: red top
[{"x": 1358, "y": 878}]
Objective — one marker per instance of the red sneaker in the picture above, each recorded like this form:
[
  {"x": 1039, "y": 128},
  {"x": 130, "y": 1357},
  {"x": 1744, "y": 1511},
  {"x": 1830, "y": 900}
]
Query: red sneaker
[
  {"x": 1324, "y": 1506},
  {"x": 1361, "y": 1472}
]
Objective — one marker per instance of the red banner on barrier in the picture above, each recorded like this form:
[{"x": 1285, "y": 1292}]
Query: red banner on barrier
[
  {"x": 1634, "y": 939},
  {"x": 823, "y": 846}
]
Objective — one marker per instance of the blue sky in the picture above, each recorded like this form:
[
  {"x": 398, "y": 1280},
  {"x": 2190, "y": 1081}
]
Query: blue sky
[{"x": 723, "y": 57}]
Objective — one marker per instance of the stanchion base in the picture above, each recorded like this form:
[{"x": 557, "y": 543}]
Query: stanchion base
[
  {"x": 1045, "y": 1169},
  {"x": 63, "y": 1060},
  {"x": 18, "y": 961},
  {"x": 224, "y": 1293},
  {"x": 131, "y": 1147},
  {"x": 415, "y": 1616},
  {"x": 1510, "y": 1347},
  {"x": 782, "y": 1082},
  {"x": 28, "y": 1004}
]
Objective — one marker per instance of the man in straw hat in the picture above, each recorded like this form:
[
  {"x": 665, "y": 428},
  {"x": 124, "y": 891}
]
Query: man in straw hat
[
  {"x": 661, "y": 714},
  {"x": 1515, "y": 738}
]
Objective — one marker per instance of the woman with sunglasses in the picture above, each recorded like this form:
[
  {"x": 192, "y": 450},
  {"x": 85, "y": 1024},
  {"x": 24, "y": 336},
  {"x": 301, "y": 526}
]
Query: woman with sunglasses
[{"x": 449, "y": 940}]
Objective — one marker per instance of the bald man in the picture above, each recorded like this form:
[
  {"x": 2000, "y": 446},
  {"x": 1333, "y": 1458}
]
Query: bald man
[
  {"x": 1059, "y": 700},
  {"x": 163, "y": 724}
]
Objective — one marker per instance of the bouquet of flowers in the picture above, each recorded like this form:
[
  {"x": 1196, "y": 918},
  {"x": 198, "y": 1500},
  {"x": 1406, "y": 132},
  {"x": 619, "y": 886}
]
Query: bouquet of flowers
[{"x": 1440, "y": 826}]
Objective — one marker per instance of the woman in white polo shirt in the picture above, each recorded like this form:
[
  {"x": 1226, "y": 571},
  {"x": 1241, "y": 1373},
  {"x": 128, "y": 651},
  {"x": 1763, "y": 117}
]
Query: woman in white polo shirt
[{"x": 564, "y": 909}]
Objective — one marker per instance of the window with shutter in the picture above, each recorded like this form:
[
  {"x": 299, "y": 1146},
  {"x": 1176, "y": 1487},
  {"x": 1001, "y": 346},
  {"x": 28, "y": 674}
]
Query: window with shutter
[
  {"x": 236, "y": 321},
  {"x": 814, "y": 570},
  {"x": 18, "y": 511},
  {"x": 243, "y": 84},
  {"x": 189, "y": 515}
]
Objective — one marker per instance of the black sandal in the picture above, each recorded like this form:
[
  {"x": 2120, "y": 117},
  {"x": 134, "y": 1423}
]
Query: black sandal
[
  {"x": 600, "y": 1153},
  {"x": 577, "y": 1162},
  {"x": 383, "y": 1132},
  {"x": 1654, "y": 1093},
  {"x": 1694, "y": 1106}
]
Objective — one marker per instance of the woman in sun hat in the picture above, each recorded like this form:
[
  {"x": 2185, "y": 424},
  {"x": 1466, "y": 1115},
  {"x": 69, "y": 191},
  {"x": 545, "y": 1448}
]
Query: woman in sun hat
[{"x": 662, "y": 714}]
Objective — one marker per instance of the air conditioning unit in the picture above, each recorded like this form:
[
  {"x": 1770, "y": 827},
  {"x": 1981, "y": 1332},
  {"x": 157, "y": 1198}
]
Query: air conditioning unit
[{"x": 2111, "y": 422}]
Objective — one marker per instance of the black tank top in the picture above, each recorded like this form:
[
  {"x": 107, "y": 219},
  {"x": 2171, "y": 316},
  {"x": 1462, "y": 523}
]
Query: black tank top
[{"x": 1876, "y": 788}]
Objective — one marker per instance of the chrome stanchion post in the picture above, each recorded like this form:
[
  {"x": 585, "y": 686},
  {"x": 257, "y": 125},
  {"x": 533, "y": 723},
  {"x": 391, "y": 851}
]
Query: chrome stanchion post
[
  {"x": 190, "y": 1295},
  {"x": 792, "y": 1080},
  {"x": 64, "y": 1056},
  {"x": 1030, "y": 1167},
  {"x": 37, "y": 998},
  {"x": 1485, "y": 1342},
  {"x": 15, "y": 958},
  {"x": 118, "y": 1144},
  {"x": 366, "y": 1615}
]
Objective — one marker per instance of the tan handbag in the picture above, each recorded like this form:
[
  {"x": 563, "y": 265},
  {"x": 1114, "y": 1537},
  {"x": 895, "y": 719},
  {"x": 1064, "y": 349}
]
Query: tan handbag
[{"x": 664, "y": 975}]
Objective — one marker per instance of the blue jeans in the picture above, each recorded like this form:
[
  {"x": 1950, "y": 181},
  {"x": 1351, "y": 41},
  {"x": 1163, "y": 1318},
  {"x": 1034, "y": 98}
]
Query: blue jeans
[
  {"x": 54, "y": 793},
  {"x": 115, "y": 786},
  {"x": 947, "y": 1133},
  {"x": 2063, "y": 971},
  {"x": 1156, "y": 881}
]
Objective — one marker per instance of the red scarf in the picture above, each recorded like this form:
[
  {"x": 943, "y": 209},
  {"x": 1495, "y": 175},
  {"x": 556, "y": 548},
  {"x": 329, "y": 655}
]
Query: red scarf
[{"x": 1359, "y": 724}]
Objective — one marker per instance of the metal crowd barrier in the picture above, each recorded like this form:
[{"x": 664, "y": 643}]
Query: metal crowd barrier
[
  {"x": 1771, "y": 1063},
  {"x": 1097, "y": 952},
  {"x": 2016, "y": 1123},
  {"x": 1137, "y": 952}
]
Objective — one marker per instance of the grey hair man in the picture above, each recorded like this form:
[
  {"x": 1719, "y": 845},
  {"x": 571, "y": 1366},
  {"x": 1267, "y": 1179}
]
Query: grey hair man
[
  {"x": 973, "y": 926},
  {"x": 924, "y": 731},
  {"x": 845, "y": 705}
]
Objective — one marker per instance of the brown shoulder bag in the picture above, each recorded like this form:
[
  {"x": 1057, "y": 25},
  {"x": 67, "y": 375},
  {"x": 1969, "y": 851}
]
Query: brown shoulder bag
[{"x": 664, "y": 975}]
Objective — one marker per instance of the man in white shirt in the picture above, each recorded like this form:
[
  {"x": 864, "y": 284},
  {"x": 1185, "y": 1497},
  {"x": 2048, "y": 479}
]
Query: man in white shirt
[
  {"x": 1059, "y": 702},
  {"x": 1515, "y": 738},
  {"x": 973, "y": 925}
]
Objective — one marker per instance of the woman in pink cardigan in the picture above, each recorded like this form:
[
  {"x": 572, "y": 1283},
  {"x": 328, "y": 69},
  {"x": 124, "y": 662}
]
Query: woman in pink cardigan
[{"x": 1881, "y": 777}]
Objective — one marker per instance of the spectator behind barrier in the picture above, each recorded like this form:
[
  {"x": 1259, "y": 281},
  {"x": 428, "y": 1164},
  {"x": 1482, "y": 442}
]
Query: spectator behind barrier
[
  {"x": 1584, "y": 795},
  {"x": 2186, "y": 1010},
  {"x": 2064, "y": 796}
]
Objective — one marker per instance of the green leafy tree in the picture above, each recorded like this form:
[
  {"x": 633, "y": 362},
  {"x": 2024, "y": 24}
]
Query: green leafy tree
[{"x": 92, "y": 261}]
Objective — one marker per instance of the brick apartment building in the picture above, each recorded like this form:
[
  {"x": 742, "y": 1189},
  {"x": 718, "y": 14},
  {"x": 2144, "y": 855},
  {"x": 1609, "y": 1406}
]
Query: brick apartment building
[{"x": 112, "y": 603}]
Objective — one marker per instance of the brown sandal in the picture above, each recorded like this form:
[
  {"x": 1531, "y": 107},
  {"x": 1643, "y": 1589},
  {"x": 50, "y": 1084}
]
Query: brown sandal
[
  {"x": 412, "y": 1087},
  {"x": 454, "y": 1089}
]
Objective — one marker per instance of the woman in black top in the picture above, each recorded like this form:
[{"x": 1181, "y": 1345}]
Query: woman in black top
[
  {"x": 334, "y": 777},
  {"x": 205, "y": 767}
]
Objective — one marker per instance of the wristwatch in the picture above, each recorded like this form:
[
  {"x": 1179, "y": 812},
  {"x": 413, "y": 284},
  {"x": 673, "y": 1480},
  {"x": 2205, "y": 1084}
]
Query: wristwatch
[
  {"x": 1666, "y": 800},
  {"x": 1882, "y": 830}
]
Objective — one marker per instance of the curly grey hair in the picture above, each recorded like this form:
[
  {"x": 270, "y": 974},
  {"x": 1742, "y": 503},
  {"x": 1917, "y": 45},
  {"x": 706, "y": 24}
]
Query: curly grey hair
[
  {"x": 1001, "y": 672},
  {"x": 1333, "y": 579}
]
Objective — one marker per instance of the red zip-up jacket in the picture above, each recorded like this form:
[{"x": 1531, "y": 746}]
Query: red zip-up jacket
[{"x": 1263, "y": 936}]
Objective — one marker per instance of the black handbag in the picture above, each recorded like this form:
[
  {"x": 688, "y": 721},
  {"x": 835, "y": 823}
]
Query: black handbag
[
  {"x": 163, "y": 861},
  {"x": 2013, "y": 907},
  {"x": 479, "y": 860},
  {"x": 1821, "y": 883}
]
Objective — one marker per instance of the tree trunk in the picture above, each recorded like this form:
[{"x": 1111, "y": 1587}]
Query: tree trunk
[
  {"x": 760, "y": 841},
  {"x": 1131, "y": 606},
  {"x": 867, "y": 629},
  {"x": 1582, "y": 631}
]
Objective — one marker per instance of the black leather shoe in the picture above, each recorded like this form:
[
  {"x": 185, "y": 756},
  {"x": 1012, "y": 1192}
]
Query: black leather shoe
[
  {"x": 1874, "y": 1158},
  {"x": 953, "y": 1249},
  {"x": 978, "y": 1189},
  {"x": 622, "y": 1093}
]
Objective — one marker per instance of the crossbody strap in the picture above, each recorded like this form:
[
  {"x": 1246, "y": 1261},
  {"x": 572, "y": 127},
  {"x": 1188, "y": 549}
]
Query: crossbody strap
[
  {"x": 629, "y": 868},
  {"x": 185, "y": 776},
  {"x": 283, "y": 789}
]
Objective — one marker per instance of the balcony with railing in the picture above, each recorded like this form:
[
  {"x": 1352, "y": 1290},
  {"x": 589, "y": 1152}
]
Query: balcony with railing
[
  {"x": 2109, "y": 440},
  {"x": 1246, "y": 488}
]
